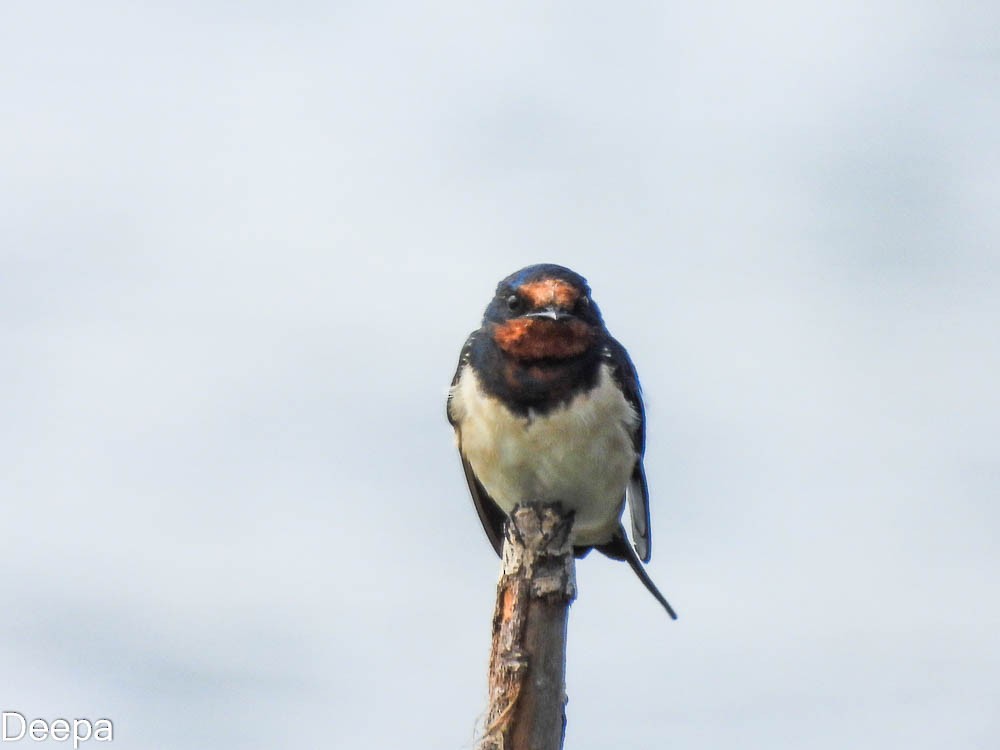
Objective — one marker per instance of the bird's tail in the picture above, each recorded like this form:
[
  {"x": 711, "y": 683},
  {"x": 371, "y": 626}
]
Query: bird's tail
[{"x": 619, "y": 549}]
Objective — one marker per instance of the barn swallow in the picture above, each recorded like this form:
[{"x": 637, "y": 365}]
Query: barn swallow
[{"x": 547, "y": 408}]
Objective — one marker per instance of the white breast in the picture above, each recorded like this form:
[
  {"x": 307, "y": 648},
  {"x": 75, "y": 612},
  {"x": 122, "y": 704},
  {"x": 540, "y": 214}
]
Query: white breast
[{"x": 579, "y": 454}]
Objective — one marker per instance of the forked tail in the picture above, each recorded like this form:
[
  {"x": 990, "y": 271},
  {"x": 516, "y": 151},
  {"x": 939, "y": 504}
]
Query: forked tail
[{"x": 619, "y": 549}]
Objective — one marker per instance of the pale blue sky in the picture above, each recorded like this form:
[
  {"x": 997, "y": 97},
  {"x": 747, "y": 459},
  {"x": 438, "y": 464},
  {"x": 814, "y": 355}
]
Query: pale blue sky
[{"x": 241, "y": 246}]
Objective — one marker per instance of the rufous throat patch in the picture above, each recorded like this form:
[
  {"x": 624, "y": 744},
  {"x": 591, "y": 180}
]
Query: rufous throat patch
[{"x": 541, "y": 338}]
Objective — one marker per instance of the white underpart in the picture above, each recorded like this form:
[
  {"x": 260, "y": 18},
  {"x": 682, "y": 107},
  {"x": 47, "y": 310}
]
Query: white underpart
[{"x": 579, "y": 454}]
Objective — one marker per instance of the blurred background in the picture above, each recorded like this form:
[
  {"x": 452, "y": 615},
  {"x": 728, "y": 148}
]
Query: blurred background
[{"x": 241, "y": 245}]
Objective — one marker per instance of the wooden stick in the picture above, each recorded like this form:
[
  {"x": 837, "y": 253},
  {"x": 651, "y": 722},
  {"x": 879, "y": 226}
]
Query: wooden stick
[{"x": 528, "y": 656}]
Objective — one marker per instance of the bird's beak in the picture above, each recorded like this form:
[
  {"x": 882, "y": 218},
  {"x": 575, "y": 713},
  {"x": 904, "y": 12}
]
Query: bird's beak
[{"x": 551, "y": 312}]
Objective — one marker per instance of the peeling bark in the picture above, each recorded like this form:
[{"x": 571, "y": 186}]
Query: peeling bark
[{"x": 528, "y": 656}]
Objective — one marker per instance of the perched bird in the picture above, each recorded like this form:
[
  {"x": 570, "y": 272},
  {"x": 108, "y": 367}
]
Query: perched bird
[{"x": 546, "y": 408}]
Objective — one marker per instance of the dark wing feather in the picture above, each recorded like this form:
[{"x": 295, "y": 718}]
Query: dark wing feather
[
  {"x": 637, "y": 492},
  {"x": 489, "y": 512},
  {"x": 463, "y": 360},
  {"x": 638, "y": 503}
]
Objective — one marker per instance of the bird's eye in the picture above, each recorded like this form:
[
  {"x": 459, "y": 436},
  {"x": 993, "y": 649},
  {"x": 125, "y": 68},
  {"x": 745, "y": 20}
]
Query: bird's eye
[{"x": 513, "y": 303}]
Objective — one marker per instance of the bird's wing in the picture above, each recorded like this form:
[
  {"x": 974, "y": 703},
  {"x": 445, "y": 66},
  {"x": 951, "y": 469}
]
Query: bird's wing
[
  {"x": 490, "y": 514},
  {"x": 637, "y": 492},
  {"x": 463, "y": 360},
  {"x": 638, "y": 503}
]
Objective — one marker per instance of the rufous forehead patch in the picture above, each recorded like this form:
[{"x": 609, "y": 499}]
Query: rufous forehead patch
[{"x": 550, "y": 292}]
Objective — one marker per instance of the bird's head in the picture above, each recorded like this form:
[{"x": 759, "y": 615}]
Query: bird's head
[{"x": 543, "y": 312}]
